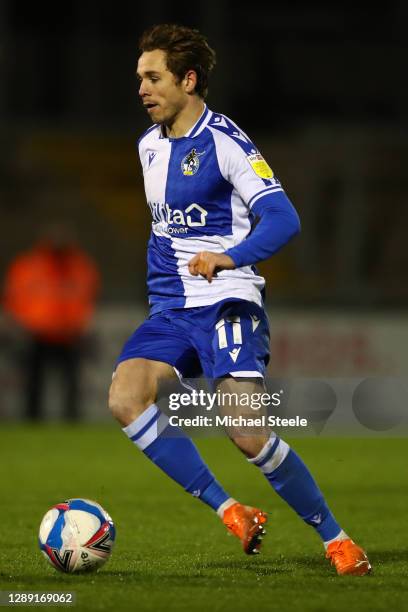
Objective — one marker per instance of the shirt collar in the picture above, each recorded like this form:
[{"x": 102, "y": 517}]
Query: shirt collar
[{"x": 196, "y": 129}]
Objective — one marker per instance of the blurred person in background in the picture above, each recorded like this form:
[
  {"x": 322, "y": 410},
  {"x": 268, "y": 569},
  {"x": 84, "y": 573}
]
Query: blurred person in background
[{"x": 50, "y": 292}]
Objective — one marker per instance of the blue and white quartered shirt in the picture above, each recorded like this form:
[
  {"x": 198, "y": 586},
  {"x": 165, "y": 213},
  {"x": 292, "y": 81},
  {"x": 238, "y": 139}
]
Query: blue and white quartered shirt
[{"x": 204, "y": 190}]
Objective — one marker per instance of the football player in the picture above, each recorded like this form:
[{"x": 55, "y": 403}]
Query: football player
[{"x": 205, "y": 183}]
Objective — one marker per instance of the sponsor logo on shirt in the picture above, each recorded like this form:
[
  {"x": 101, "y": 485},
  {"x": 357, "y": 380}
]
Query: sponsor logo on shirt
[
  {"x": 191, "y": 163},
  {"x": 176, "y": 221}
]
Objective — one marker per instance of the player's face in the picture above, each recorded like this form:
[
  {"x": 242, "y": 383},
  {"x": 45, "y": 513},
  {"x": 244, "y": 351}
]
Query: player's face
[{"x": 162, "y": 96}]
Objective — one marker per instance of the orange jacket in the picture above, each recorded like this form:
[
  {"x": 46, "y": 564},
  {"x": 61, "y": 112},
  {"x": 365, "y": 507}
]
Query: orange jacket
[{"x": 52, "y": 293}]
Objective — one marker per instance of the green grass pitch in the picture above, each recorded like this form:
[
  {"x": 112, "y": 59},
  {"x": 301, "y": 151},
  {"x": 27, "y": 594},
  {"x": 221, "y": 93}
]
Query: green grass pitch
[{"x": 172, "y": 552}]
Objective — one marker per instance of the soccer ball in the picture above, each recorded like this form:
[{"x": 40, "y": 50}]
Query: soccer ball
[{"x": 77, "y": 535}]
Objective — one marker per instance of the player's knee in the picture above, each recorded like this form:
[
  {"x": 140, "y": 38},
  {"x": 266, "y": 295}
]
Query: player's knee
[{"x": 127, "y": 402}]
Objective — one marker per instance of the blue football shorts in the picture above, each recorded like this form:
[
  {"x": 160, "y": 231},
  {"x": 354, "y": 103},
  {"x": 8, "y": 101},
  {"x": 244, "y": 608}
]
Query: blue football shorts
[{"x": 230, "y": 337}]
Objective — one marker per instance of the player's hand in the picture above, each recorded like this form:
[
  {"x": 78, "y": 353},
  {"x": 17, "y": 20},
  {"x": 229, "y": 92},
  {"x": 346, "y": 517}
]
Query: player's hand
[{"x": 208, "y": 264}]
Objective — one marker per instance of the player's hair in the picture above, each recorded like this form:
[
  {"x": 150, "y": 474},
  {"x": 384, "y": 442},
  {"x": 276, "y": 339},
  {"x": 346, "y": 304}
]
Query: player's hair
[{"x": 186, "y": 49}]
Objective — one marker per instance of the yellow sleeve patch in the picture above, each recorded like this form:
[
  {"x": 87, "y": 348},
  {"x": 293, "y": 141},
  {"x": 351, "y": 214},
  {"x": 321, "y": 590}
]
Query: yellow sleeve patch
[{"x": 259, "y": 166}]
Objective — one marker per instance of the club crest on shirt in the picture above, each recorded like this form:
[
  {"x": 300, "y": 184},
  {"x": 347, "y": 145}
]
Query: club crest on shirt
[
  {"x": 190, "y": 163},
  {"x": 260, "y": 166}
]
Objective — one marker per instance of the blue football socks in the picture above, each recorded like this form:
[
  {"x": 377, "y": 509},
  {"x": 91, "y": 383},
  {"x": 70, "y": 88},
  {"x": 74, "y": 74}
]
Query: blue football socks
[
  {"x": 291, "y": 479},
  {"x": 175, "y": 453}
]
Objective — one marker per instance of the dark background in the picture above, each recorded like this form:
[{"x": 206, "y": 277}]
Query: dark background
[{"x": 320, "y": 87}]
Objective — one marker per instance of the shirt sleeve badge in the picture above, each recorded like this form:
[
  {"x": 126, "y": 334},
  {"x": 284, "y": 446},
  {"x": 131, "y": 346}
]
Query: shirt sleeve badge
[{"x": 260, "y": 166}]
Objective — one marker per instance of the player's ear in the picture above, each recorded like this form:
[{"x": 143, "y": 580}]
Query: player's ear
[{"x": 190, "y": 81}]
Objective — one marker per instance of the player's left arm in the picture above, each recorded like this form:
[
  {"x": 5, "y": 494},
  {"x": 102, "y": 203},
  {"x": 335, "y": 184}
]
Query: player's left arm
[
  {"x": 208, "y": 264},
  {"x": 278, "y": 223}
]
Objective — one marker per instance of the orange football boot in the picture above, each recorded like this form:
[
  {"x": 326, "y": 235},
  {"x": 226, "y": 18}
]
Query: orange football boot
[
  {"x": 348, "y": 558},
  {"x": 247, "y": 524}
]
